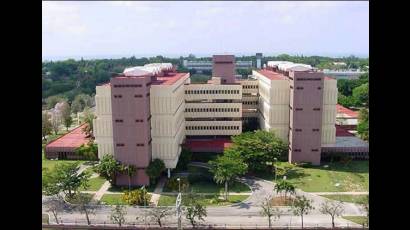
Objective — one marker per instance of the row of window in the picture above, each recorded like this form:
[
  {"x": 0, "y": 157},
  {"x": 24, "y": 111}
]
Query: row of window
[
  {"x": 137, "y": 120},
  {"x": 138, "y": 144},
  {"x": 249, "y": 102},
  {"x": 299, "y": 87},
  {"x": 301, "y": 109},
  {"x": 212, "y": 127},
  {"x": 250, "y": 86},
  {"x": 211, "y": 110},
  {"x": 309, "y": 79},
  {"x": 300, "y": 130},
  {"x": 136, "y": 95},
  {"x": 222, "y": 91},
  {"x": 299, "y": 150},
  {"x": 128, "y": 86}
]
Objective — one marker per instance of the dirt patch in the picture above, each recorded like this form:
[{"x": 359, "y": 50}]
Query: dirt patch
[{"x": 281, "y": 201}]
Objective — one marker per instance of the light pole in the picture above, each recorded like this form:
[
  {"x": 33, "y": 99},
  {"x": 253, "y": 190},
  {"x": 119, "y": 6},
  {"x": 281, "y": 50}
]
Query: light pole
[
  {"x": 178, "y": 204},
  {"x": 179, "y": 184},
  {"x": 145, "y": 206},
  {"x": 274, "y": 165}
]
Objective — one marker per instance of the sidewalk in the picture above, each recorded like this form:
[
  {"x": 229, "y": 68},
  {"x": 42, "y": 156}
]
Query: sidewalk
[
  {"x": 158, "y": 191},
  {"x": 340, "y": 193},
  {"x": 100, "y": 193}
]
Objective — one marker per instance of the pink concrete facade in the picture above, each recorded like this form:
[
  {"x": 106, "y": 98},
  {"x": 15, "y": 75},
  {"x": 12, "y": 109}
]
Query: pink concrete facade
[
  {"x": 223, "y": 66},
  {"x": 306, "y": 100},
  {"x": 131, "y": 125}
]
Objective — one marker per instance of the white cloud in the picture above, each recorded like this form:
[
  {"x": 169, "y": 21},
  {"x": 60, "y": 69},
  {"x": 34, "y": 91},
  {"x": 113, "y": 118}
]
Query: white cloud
[{"x": 60, "y": 19}]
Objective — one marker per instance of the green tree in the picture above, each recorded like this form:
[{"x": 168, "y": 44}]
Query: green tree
[
  {"x": 184, "y": 159},
  {"x": 225, "y": 168},
  {"x": 65, "y": 111},
  {"x": 257, "y": 148},
  {"x": 301, "y": 206},
  {"x": 130, "y": 171},
  {"x": 270, "y": 211},
  {"x": 64, "y": 178},
  {"x": 333, "y": 209},
  {"x": 88, "y": 151},
  {"x": 85, "y": 205},
  {"x": 108, "y": 168},
  {"x": 88, "y": 118},
  {"x": 195, "y": 211},
  {"x": 118, "y": 215},
  {"x": 363, "y": 125},
  {"x": 154, "y": 169},
  {"x": 361, "y": 95},
  {"x": 46, "y": 126},
  {"x": 158, "y": 214}
]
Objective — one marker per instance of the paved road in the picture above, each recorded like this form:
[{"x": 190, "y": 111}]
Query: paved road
[{"x": 245, "y": 213}]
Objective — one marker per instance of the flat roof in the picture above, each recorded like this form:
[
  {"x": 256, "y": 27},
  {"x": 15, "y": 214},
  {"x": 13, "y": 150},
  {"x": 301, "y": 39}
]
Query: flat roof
[
  {"x": 345, "y": 111},
  {"x": 168, "y": 80},
  {"x": 74, "y": 139},
  {"x": 272, "y": 75},
  {"x": 342, "y": 132},
  {"x": 348, "y": 142}
]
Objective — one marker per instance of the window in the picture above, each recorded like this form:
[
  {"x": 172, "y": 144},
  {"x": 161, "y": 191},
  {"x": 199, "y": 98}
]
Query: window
[
  {"x": 315, "y": 150},
  {"x": 148, "y": 94},
  {"x": 120, "y": 145},
  {"x": 299, "y": 87},
  {"x": 298, "y": 130},
  {"x": 316, "y": 109},
  {"x": 297, "y": 150},
  {"x": 139, "y": 120},
  {"x": 118, "y": 120},
  {"x": 118, "y": 96},
  {"x": 137, "y": 95},
  {"x": 140, "y": 145},
  {"x": 319, "y": 88},
  {"x": 315, "y": 130},
  {"x": 299, "y": 109}
]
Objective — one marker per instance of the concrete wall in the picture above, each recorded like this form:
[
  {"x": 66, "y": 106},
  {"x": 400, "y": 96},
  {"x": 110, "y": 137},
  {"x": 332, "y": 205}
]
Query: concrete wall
[
  {"x": 329, "y": 111},
  {"x": 132, "y": 137},
  {"x": 168, "y": 121},
  {"x": 306, "y": 103},
  {"x": 103, "y": 121}
]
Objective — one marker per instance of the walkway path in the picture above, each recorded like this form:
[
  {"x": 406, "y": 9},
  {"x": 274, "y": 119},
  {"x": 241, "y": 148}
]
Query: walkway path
[
  {"x": 340, "y": 193},
  {"x": 100, "y": 193},
  {"x": 157, "y": 192}
]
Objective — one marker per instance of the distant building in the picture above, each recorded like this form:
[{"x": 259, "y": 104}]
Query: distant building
[
  {"x": 258, "y": 60},
  {"x": 207, "y": 65}
]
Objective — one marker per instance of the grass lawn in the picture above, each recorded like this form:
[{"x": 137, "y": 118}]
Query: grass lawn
[
  {"x": 94, "y": 184},
  {"x": 44, "y": 218},
  {"x": 357, "y": 219},
  {"x": 50, "y": 164},
  {"x": 211, "y": 187},
  {"x": 207, "y": 200},
  {"x": 150, "y": 188},
  {"x": 112, "y": 199},
  {"x": 73, "y": 200},
  {"x": 337, "y": 177},
  {"x": 358, "y": 199}
]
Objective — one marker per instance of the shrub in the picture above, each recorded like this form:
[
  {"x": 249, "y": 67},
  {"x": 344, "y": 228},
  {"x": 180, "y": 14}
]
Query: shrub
[
  {"x": 173, "y": 184},
  {"x": 154, "y": 170},
  {"x": 304, "y": 164},
  {"x": 196, "y": 177},
  {"x": 136, "y": 197}
]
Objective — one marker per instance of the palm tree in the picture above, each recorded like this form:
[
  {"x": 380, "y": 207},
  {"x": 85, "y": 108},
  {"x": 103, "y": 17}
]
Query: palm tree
[{"x": 130, "y": 170}]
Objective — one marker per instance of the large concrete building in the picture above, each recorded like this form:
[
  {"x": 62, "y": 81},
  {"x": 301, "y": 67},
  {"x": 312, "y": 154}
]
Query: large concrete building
[{"x": 150, "y": 111}]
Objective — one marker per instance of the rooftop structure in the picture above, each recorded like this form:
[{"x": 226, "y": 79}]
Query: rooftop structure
[{"x": 64, "y": 147}]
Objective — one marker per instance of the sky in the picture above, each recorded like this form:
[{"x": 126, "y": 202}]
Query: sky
[{"x": 106, "y": 29}]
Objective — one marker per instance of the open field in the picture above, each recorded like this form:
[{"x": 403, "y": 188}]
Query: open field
[
  {"x": 336, "y": 177},
  {"x": 356, "y": 219},
  {"x": 207, "y": 200},
  {"x": 94, "y": 184},
  {"x": 112, "y": 199},
  {"x": 358, "y": 199}
]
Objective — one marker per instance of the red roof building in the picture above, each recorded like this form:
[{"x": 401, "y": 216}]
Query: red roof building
[{"x": 64, "y": 147}]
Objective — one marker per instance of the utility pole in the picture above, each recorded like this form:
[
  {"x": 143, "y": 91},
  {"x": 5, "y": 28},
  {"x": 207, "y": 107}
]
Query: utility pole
[{"x": 178, "y": 205}]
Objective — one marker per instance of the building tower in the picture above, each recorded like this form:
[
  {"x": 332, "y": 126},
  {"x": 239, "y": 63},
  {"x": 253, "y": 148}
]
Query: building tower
[
  {"x": 258, "y": 60},
  {"x": 305, "y": 117},
  {"x": 223, "y": 66}
]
